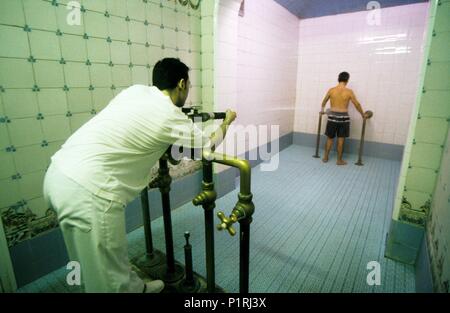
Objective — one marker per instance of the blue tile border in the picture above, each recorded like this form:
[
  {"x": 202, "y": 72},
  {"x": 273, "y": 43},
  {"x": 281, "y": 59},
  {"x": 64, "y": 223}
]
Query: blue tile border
[
  {"x": 424, "y": 277},
  {"x": 38, "y": 256},
  {"x": 403, "y": 242},
  {"x": 373, "y": 149}
]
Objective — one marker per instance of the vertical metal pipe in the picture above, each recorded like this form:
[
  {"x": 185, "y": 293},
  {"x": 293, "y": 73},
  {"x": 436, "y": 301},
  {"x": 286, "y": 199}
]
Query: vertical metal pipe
[
  {"x": 209, "y": 242},
  {"x": 361, "y": 144},
  {"x": 318, "y": 137},
  {"x": 207, "y": 172},
  {"x": 209, "y": 231},
  {"x": 244, "y": 209},
  {"x": 188, "y": 262},
  {"x": 165, "y": 197},
  {"x": 147, "y": 222},
  {"x": 244, "y": 255}
]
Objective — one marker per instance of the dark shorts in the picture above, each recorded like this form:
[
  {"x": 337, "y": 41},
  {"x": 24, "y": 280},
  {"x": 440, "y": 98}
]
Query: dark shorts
[{"x": 338, "y": 124}]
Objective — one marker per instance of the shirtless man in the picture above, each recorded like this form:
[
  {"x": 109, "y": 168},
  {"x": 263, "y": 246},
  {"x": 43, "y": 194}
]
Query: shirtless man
[{"x": 338, "y": 119}]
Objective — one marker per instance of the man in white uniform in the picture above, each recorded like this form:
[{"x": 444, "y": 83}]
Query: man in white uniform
[{"x": 106, "y": 163}]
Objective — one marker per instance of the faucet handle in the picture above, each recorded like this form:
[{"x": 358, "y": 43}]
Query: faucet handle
[
  {"x": 227, "y": 222},
  {"x": 368, "y": 114}
]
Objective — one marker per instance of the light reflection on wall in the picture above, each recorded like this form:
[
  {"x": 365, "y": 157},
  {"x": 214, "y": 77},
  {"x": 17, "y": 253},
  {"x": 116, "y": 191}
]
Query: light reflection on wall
[
  {"x": 393, "y": 50},
  {"x": 383, "y": 39}
]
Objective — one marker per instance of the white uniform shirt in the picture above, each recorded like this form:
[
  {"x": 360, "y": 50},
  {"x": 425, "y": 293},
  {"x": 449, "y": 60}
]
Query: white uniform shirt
[{"x": 112, "y": 154}]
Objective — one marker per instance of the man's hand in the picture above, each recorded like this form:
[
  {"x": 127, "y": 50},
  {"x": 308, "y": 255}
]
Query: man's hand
[
  {"x": 230, "y": 116},
  {"x": 367, "y": 115},
  {"x": 218, "y": 136}
]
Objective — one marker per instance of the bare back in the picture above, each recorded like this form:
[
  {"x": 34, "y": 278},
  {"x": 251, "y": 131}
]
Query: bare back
[{"x": 339, "y": 98}]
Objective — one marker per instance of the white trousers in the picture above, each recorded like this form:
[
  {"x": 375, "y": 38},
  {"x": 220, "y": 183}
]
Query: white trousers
[{"x": 94, "y": 234}]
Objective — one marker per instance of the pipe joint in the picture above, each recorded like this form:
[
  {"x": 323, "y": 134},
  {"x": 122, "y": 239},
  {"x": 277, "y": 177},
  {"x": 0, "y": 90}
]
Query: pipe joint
[
  {"x": 245, "y": 206},
  {"x": 162, "y": 181},
  {"x": 154, "y": 183},
  {"x": 241, "y": 213},
  {"x": 207, "y": 186}
]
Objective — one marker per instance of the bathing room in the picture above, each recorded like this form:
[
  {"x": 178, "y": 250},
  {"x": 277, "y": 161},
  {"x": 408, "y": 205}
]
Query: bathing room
[{"x": 238, "y": 146}]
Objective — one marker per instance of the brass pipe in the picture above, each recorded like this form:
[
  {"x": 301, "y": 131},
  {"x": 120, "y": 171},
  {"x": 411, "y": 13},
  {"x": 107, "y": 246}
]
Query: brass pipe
[
  {"x": 244, "y": 208},
  {"x": 206, "y": 198},
  {"x": 242, "y": 213},
  {"x": 243, "y": 166}
]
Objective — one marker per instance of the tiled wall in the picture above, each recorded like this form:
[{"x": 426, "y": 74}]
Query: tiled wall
[
  {"x": 429, "y": 124},
  {"x": 382, "y": 58},
  {"x": 54, "y": 76},
  {"x": 256, "y": 66},
  {"x": 438, "y": 229},
  {"x": 207, "y": 54},
  {"x": 422, "y": 195},
  {"x": 429, "y": 151}
]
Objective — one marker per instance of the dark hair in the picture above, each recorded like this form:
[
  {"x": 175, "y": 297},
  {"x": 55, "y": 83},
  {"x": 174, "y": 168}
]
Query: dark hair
[
  {"x": 168, "y": 72},
  {"x": 344, "y": 77}
]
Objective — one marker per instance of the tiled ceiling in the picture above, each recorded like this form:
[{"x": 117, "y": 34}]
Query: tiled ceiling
[{"x": 316, "y": 8}]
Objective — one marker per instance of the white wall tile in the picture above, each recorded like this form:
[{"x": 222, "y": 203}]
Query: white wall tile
[
  {"x": 256, "y": 64},
  {"x": 383, "y": 61}
]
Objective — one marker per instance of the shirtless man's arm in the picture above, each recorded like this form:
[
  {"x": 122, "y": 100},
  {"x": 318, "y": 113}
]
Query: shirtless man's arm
[
  {"x": 325, "y": 100},
  {"x": 356, "y": 103}
]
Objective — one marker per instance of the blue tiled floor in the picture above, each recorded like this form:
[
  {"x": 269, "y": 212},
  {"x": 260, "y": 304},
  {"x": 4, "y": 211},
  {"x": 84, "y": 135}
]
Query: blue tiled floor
[{"x": 315, "y": 228}]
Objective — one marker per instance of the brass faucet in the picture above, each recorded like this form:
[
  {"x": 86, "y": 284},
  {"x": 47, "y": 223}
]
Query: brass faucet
[
  {"x": 206, "y": 196},
  {"x": 242, "y": 213},
  {"x": 244, "y": 208}
]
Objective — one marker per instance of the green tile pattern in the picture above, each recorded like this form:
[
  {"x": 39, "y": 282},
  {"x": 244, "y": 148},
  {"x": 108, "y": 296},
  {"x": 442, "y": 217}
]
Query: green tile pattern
[
  {"x": 427, "y": 136},
  {"x": 438, "y": 226},
  {"x": 54, "y": 76}
]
